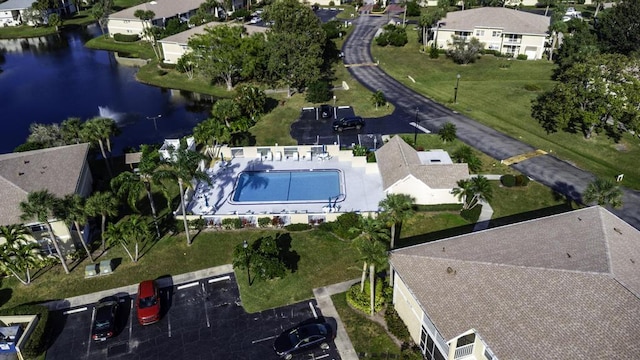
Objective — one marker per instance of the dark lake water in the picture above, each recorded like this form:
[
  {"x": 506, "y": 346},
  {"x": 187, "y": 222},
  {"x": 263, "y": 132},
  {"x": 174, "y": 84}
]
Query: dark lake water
[{"x": 49, "y": 79}]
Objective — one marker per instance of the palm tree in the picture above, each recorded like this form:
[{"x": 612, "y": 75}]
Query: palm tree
[
  {"x": 604, "y": 192},
  {"x": 103, "y": 204},
  {"x": 71, "y": 211},
  {"x": 40, "y": 205},
  {"x": 99, "y": 130},
  {"x": 147, "y": 29},
  {"x": 130, "y": 185},
  {"x": 134, "y": 230},
  {"x": 18, "y": 254},
  {"x": 378, "y": 98},
  {"x": 183, "y": 167},
  {"x": 473, "y": 191},
  {"x": 395, "y": 209},
  {"x": 373, "y": 251},
  {"x": 447, "y": 132},
  {"x": 71, "y": 129},
  {"x": 209, "y": 133}
]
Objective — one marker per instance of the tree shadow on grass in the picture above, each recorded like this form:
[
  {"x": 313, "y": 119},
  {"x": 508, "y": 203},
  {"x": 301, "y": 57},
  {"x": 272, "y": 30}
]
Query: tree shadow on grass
[{"x": 289, "y": 257}]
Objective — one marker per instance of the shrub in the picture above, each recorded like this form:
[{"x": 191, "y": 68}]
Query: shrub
[
  {"x": 522, "y": 57},
  {"x": 197, "y": 224},
  {"x": 126, "y": 37},
  {"x": 532, "y": 87},
  {"x": 434, "y": 53},
  {"x": 504, "y": 65},
  {"x": 298, "y": 227},
  {"x": 241, "y": 14},
  {"x": 326, "y": 226},
  {"x": 413, "y": 8},
  {"x": 522, "y": 180},
  {"x": 471, "y": 215},
  {"x": 37, "y": 342},
  {"x": 332, "y": 3},
  {"x": 508, "y": 180},
  {"x": 344, "y": 223},
  {"x": 318, "y": 92},
  {"x": 359, "y": 150},
  {"x": 232, "y": 223},
  {"x": 360, "y": 300},
  {"x": 395, "y": 325},
  {"x": 264, "y": 222},
  {"x": 392, "y": 35}
]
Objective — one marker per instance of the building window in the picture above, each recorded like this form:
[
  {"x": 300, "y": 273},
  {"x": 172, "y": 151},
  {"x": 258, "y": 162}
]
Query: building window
[
  {"x": 496, "y": 33},
  {"x": 428, "y": 346},
  {"x": 479, "y": 32}
]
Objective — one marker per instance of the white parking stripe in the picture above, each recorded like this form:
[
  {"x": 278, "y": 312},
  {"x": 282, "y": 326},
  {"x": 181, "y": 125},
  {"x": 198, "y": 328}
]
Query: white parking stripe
[
  {"x": 321, "y": 356},
  {"x": 313, "y": 310},
  {"x": 204, "y": 302},
  {"x": 220, "y": 279},
  {"x": 265, "y": 339},
  {"x": 188, "y": 285},
  {"x": 168, "y": 317},
  {"x": 75, "y": 311},
  {"x": 93, "y": 316},
  {"x": 131, "y": 319}
]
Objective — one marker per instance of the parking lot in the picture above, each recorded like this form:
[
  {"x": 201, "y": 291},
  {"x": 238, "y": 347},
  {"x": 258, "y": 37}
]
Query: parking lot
[{"x": 200, "y": 320}]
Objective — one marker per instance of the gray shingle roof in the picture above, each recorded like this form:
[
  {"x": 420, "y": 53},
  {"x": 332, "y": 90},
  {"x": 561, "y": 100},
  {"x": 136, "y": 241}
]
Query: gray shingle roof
[
  {"x": 509, "y": 20},
  {"x": 561, "y": 287},
  {"x": 56, "y": 169},
  {"x": 162, "y": 8},
  {"x": 183, "y": 37},
  {"x": 396, "y": 160},
  {"x": 15, "y": 5}
]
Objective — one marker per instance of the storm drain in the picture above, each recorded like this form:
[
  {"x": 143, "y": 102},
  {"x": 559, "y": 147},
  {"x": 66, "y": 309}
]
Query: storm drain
[{"x": 118, "y": 349}]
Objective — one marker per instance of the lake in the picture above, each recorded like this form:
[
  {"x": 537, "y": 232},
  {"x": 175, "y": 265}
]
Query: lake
[{"x": 49, "y": 79}]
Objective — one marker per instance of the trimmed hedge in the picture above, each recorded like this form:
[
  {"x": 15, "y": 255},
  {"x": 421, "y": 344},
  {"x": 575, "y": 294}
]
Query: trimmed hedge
[
  {"x": 346, "y": 222},
  {"x": 126, "y": 37},
  {"x": 508, "y": 180},
  {"x": 298, "y": 227},
  {"x": 264, "y": 222},
  {"x": 439, "y": 207},
  {"x": 395, "y": 325},
  {"x": 37, "y": 342},
  {"x": 472, "y": 215},
  {"x": 361, "y": 300},
  {"x": 522, "y": 180},
  {"x": 232, "y": 223}
]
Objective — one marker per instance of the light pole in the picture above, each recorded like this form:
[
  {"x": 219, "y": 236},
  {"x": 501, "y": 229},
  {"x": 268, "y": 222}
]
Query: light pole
[
  {"x": 155, "y": 124},
  {"x": 415, "y": 129},
  {"x": 455, "y": 94},
  {"x": 245, "y": 245}
]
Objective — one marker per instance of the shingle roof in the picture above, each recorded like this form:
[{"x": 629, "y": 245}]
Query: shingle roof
[
  {"x": 561, "y": 287},
  {"x": 396, "y": 160},
  {"x": 161, "y": 8},
  {"x": 509, "y": 20},
  {"x": 55, "y": 169},
  {"x": 183, "y": 37},
  {"x": 15, "y": 5}
]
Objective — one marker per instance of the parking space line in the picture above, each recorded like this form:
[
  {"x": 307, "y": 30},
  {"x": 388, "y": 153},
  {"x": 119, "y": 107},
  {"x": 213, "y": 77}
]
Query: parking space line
[
  {"x": 204, "y": 302},
  {"x": 168, "y": 317},
  {"x": 93, "y": 316},
  {"x": 130, "y": 319},
  {"x": 188, "y": 285},
  {"x": 321, "y": 356},
  {"x": 75, "y": 311},
  {"x": 264, "y": 339},
  {"x": 313, "y": 310},
  {"x": 222, "y": 278}
]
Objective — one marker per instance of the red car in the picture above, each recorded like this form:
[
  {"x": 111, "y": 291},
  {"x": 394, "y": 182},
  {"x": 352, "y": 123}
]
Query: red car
[{"x": 148, "y": 303}]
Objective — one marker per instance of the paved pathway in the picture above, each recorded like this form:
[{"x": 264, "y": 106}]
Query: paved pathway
[{"x": 557, "y": 174}]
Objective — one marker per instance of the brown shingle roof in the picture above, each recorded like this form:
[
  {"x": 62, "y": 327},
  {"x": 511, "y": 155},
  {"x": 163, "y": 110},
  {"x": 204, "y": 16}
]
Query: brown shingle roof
[
  {"x": 55, "y": 169},
  {"x": 396, "y": 160},
  {"x": 509, "y": 20},
  {"x": 560, "y": 287}
]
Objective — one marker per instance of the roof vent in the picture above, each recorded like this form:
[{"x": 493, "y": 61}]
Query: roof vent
[
  {"x": 26, "y": 161},
  {"x": 450, "y": 270},
  {"x": 20, "y": 173},
  {"x": 617, "y": 230},
  {"x": 569, "y": 255}
]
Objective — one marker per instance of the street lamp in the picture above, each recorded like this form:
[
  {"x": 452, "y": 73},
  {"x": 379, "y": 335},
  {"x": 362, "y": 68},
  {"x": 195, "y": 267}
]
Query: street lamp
[
  {"x": 455, "y": 94},
  {"x": 245, "y": 245},
  {"x": 415, "y": 129},
  {"x": 155, "y": 125}
]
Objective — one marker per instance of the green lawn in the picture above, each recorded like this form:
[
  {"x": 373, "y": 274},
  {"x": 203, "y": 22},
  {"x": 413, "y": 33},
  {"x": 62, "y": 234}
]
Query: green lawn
[{"x": 492, "y": 91}]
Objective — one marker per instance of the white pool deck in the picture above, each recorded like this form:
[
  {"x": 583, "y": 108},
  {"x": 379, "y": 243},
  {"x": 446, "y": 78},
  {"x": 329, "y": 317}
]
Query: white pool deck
[{"x": 362, "y": 190}]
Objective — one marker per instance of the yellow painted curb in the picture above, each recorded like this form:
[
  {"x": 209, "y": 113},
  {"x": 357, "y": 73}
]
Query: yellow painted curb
[{"x": 518, "y": 158}]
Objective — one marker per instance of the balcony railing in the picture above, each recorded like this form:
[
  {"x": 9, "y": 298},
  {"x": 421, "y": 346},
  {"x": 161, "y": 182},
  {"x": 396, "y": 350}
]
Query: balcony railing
[
  {"x": 512, "y": 41},
  {"x": 463, "y": 351}
]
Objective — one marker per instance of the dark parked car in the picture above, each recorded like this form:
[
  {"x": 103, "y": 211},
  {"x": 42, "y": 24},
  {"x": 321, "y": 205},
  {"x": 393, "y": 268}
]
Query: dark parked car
[
  {"x": 303, "y": 337},
  {"x": 326, "y": 111},
  {"x": 148, "y": 303},
  {"x": 104, "y": 323},
  {"x": 354, "y": 122}
]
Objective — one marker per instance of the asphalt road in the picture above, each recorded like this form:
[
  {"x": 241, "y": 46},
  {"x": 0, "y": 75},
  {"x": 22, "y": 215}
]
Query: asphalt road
[
  {"x": 202, "y": 321},
  {"x": 557, "y": 174}
]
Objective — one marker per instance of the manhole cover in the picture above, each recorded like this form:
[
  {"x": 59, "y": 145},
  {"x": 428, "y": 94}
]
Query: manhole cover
[{"x": 115, "y": 350}]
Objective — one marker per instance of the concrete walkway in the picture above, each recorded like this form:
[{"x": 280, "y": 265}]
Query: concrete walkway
[
  {"x": 133, "y": 289},
  {"x": 323, "y": 298}
]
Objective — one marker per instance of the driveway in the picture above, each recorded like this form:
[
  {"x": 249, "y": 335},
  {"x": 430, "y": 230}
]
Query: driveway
[
  {"x": 557, "y": 174},
  {"x": 203, "y": 320}
]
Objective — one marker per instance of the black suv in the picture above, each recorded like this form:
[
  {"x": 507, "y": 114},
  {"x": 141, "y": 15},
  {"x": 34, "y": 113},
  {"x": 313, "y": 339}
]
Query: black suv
[
  {"x": 326, "y": 111},
  {"x": 354, "y": 122}
]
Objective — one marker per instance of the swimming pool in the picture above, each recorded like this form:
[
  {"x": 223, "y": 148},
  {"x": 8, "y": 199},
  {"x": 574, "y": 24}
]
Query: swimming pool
[{"x": 288, "y": 186}]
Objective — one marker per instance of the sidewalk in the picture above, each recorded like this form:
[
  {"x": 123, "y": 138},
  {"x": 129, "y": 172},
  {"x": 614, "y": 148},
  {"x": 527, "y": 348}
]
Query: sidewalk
[
  {"x": 323, "y": 298},
  {"x": 133, "y": 289},
  {"x": 487, "y": 211}
]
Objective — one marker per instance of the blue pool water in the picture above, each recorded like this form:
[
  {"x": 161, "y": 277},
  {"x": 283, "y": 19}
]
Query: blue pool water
[{"x": 287, "y": 186}]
